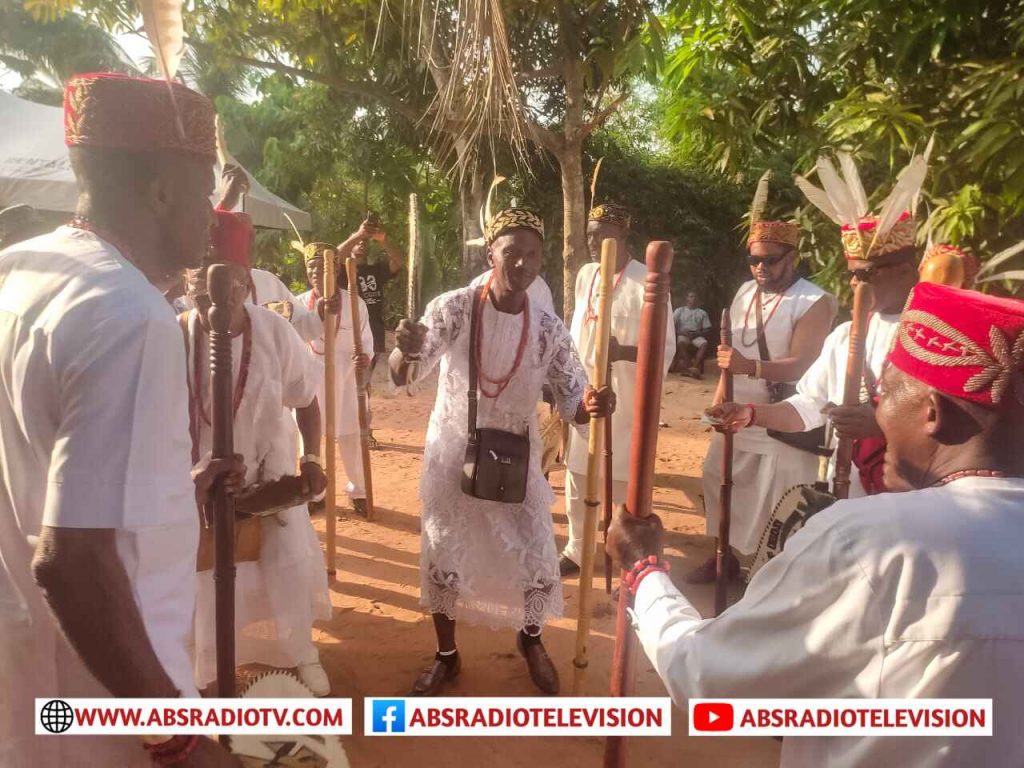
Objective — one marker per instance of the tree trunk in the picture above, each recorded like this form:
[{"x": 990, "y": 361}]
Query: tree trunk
[
  {"x": 471, "y": 201},
  {"x": 574, "y": 222}
]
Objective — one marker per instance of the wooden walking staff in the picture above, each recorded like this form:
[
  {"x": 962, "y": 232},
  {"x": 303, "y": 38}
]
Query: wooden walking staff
[
  {"x": 592, "y": 499},
  {"x": 330, "y": 413},
  {"x": 650, "y": 363},
  {"x": 609, "y": 487},
  {"x": 413, "y": 287},
  {"x": 218, "y": 282},
  {"x": 862, "y": 300},
  {"x": 352, "y": 271},
  {"x": 722, "y": 550}
]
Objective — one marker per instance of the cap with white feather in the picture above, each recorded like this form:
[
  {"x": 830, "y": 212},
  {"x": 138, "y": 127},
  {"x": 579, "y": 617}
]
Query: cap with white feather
[
  {"x": 495, "y": 225},
  {"x": 842, "y": 198},
  {"x": 765, "y": 230}
]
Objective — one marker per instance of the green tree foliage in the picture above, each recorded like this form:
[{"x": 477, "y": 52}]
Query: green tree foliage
[{"x": 757, "y": 82}]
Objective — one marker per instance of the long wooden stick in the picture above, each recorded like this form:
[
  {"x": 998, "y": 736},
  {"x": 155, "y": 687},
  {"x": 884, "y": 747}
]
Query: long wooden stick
[
  {"x": 330, "y": 414},
  {"x": 218, "y": 282},
  {"x": 592, "y": 497},
  {"x": 722, "y": 550},
  {"x": 413, "y": 287},
  {"x": 650, "y": 362},
  {"x": 364, "y": 416},
  {"x": 852, "y": 384},
  {"x": 609, "y": 487}
]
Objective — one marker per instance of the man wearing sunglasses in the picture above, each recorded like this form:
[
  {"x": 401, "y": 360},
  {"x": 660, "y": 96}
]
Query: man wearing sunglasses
[
  {"x": 887, "y": 261},
  {"x": 779, "y": 323}
]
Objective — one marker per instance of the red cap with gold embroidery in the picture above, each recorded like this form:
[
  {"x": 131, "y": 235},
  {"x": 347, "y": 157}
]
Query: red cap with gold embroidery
[
  {"x": 963, "y": 343},
  {"x": 231, "y": 238},
  {"x": 137, "y": 114}
]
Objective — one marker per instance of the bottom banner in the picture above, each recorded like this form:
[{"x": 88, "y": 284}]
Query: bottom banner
[{"x": 503, "y": 716}]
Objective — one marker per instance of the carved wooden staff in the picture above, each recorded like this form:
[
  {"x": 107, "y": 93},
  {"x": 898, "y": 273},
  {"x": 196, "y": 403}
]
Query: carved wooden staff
[
  {"x": 218, "y": 282},
  {"x": 725, "y": 492},
  {"x": 330, "y": 413},
  {"x": 650, "y": 363},
  {"x": 609, "y": 504},
  {"x": 413, "y": 287},
  {"x": 592, "y": 498},
  {"x": 852, "y": 384},
  {"x": 357, "y": 347}
]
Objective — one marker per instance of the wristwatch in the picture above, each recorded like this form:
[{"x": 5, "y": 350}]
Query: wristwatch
[{"x": 311, "y": 458}]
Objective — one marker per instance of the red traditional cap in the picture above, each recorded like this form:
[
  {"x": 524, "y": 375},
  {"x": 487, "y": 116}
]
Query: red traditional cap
[
  {"x": 963, "y": 343},
  {"x": 136, "y": 114},
  {"x": 862, "y": 242},
  {"x": 231, "y": 238}
]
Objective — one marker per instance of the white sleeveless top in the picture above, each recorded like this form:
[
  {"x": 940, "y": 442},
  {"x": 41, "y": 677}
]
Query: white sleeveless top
[{"x": 781, "y": 313}]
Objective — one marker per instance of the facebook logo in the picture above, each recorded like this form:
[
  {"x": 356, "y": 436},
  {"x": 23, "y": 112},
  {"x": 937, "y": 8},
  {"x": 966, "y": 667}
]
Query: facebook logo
[{"x": 388, "y": 716}]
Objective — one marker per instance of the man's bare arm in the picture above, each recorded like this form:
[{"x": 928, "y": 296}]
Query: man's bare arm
[
  {"x": 396, "y": 259},
  {"x": 805, "y": 345},
  {"x": 308, "y": 421},
  {"x": 87, "y": 588}
]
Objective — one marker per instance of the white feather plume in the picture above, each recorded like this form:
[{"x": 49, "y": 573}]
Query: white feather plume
[
  {"x": 838, "y": 192},
  {"x": 852, "y": 178},
  {"x": 817, "y": 198},
  {"x": 223, "y": 155},
  {"x": 760, "y": 201},
  {"x": 903, "y": 193},
  {"x": 1001, "y": 257},
  {"x": 165, "y": 29},
  {"x": 593, "y": 182}
]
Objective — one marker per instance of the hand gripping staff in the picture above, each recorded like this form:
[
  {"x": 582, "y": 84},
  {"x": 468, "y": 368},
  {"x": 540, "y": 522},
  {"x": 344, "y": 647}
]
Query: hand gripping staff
[
  {"x": 592, "y": 500},
  {"x": 650, "y": 367},
  {"x": 862, "y": 300}
]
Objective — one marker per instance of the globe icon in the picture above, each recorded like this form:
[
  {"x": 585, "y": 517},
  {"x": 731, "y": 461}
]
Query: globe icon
[{"x": 56, "y": 716}]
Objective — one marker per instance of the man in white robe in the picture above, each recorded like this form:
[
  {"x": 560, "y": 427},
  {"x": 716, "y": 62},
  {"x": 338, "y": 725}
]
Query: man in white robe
[
  {"x": 796, "y": 316},
  {"x": 887, "y": 261},
  {"x": 98, "y": 528},
  {"x": 346, "y": 367},
  {"x": 612, "y": 222},
  {"x": 914, "y": 593},
  {"x": 281, "y": 594}
]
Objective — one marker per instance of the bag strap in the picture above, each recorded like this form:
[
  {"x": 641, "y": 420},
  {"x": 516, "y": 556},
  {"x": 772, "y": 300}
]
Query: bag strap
[
  {"x": 471, "y": 390},
  {"x": 762, "y": 342}
]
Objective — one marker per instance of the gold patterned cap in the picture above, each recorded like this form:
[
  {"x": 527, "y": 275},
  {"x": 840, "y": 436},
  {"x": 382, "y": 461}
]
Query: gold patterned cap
[
  {"x": 781, "y": 232},
  {"x": 861, "y": 243},
  {"x": 611, "y": 213},
  {"x": 513, "y": 218},
  {"x": 137, "y": 114},
  {"x": 314, "y": 251}
]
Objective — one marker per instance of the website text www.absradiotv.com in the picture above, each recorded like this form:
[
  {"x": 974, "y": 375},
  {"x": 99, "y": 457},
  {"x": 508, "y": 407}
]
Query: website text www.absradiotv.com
[{"x": 498, "y": 716}]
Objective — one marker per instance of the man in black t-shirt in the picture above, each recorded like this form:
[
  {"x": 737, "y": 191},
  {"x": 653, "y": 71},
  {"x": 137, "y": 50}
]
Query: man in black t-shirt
[{"x": 372, "y": 279}]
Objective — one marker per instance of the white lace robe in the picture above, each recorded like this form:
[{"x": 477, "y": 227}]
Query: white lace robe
[{"x": 489, "y": 562}]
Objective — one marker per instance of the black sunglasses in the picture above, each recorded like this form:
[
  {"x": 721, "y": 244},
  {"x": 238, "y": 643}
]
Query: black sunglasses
[
  {"x": 768, "y": 261},
  {"x": 867, "y": 274}
]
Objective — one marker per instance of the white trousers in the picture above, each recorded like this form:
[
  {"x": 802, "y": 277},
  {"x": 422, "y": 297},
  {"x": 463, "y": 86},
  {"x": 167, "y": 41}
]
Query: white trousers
[
  {"x": 352, "y": 460},
  {"x": 575, "y": 509}
]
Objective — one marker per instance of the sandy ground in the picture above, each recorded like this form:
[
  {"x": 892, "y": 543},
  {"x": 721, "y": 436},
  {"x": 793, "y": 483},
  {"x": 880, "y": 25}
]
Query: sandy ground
[{"x": 379, "y": 638}]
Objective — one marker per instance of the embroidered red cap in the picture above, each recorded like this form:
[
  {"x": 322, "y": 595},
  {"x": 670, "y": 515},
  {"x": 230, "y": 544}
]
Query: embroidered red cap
[
  {"x": 137, "y": 114},
  {"x": 231, "y": 238},
  {"x": 963, "y": 343}
]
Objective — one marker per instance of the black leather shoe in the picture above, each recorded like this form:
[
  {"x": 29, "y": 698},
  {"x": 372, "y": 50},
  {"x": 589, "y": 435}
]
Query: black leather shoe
[
  {"x": 542, "y": 669},
  {"x": 567, "y": 567},
  {"x": 433, "y": 678},
  {"x": 359, "y": 507}
]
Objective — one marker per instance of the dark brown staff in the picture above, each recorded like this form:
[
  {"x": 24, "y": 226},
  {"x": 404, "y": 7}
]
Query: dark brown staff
[
  {"x": 609, "y": 505},
  {"x": 852, "y": 385},
  {"x": 725, "y": 492},
  {"x": 352, "y": 272},
  {"x": 650, "y": 363},
  {"x": 218, "y": 282}
]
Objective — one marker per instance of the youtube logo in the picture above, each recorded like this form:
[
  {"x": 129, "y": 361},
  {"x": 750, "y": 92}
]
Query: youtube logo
[{"x": 711, "y": 716}]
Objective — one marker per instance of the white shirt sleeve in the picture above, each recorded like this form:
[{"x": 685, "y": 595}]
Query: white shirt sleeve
[
  {"x": 807, "y": 627},
  {"x": 670, "y": 340},
  {"x": 122, "y": 434},
  {"x": 299, "y": 376},
  {"x": 812, "y": 391}
]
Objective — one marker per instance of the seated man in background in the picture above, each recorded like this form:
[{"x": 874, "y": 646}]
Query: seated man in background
[{"x": 692, "y": 329}]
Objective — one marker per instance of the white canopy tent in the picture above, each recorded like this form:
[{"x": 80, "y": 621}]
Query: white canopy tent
[{"x": 34, "y": 168}]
